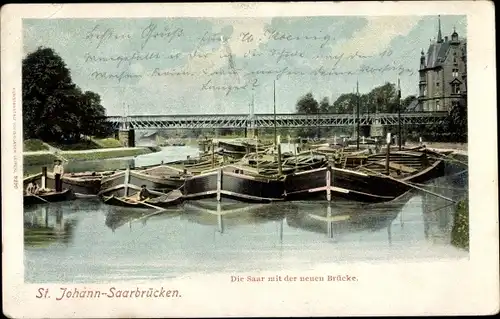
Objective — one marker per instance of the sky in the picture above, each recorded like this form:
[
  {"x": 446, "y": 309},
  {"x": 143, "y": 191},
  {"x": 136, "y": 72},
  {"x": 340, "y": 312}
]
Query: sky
[{"x": 167, "y": 66}]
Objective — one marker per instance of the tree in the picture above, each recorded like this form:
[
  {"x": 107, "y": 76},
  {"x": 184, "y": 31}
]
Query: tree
[
  {"x": 307, "y": 105},
  {"x": 382, "y": 99},
  {"x": 54, "y": 108},
  {"x": 457, "y": 122},
  {"x": 44, "y": 78},
  {"x": 324, "y": 105},
  {"x": 94, "y": 114},
  {"x": 345, "y": 103}
]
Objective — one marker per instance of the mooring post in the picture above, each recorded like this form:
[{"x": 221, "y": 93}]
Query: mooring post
[
  {"x": 278, "y": 145},
  {"x": 219, "y": 184},
  {"x": 44, "y": 177},
  {"x": 328, "y": 183},
  {"x": 213, "y": 154},
  {"x": 127, "y": 180},
  {"x": 257, "y": 153},
  {"x": 296, "y": 151},
  {"x": 388, "y": 153}
]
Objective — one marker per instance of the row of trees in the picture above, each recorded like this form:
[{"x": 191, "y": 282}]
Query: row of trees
[
  {"x": 452, "y": 129},
  {"x": 54, "y": 108},
  {"x": 383, "y": 99}
]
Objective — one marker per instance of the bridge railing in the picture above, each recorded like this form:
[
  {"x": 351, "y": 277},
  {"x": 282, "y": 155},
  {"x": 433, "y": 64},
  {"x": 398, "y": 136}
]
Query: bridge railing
[
  {"x": 267, "y": 120},
  {"x": 218, "y": 117}
]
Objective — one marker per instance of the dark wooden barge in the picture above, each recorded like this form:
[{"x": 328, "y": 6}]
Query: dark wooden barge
[
  {"x": 366, "y": 183},
  {"x": 234, "y": 182}
]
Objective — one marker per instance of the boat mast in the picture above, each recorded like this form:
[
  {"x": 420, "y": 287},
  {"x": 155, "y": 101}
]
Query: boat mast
[
  {"x": 276, "y": 142},
  {"x": 399, "y": 115},
  {"x": 357, "y": 115}
]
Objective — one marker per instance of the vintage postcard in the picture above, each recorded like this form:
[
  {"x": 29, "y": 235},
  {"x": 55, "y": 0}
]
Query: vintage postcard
[{"x": 238, "y": 159}]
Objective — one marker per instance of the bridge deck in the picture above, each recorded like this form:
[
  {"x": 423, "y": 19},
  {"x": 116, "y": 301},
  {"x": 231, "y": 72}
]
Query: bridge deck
[{"x": 267, "y": 120}]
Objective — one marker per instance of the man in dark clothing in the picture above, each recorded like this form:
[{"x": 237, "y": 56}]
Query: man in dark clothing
[{"x": 144, "y": 194}]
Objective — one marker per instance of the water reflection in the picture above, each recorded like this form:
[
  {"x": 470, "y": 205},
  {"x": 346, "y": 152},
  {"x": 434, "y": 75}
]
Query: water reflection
[
  {"x": 45, "y": 225},
  {"x": 230, "y": 214},
  {"x": 87, "y": 241},
  {"x": 117, "y": 217},
  {"x": 438, "y": 214},
  {"x": 337, "y": 218}
]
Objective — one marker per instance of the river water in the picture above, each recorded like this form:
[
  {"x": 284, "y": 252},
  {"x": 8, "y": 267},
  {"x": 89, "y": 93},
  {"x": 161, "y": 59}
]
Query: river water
[{"x": 85, "y": 241}]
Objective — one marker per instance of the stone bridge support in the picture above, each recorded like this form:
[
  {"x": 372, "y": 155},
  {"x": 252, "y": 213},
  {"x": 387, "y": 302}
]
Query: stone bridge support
[{"x": 127, "y": 137}]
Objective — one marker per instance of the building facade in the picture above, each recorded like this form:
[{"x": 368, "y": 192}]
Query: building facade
[{"x": 443, "y": 73}]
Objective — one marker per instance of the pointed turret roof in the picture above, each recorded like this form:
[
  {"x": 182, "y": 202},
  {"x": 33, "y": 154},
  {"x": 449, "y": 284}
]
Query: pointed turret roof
[{"x": 440, "y": 37}]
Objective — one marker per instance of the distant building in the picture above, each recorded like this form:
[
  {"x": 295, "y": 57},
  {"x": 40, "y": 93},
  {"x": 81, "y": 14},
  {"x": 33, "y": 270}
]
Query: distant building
[{"x": 443, "y": 73}]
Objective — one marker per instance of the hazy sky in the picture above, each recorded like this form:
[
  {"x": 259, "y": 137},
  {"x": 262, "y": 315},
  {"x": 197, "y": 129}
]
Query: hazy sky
[{"x": 201, "y": 65}]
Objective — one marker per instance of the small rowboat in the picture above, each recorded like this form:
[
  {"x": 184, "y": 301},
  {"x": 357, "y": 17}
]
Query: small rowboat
[
  {"x": 170, "y": 199},
  {"x": 48, "y": 197}
]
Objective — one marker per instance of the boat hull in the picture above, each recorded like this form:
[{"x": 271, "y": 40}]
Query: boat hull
[
  {"x": 356, "y": 185},
  {"x": 86, "y": 185},
  {"x": 343, "y": 184},
  {"x": 53, "y": 197},
  {"x": 235, "y": 186},
  {"x": 170, "y": 201},
  {"x": 114, "y": 185}
]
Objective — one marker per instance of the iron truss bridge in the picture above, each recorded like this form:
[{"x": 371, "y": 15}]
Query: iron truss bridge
[{"x": 267, "y": 120}]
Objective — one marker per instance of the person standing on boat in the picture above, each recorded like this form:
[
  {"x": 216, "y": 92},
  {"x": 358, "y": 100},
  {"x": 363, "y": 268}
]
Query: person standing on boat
[
  {"x": 58, "y": 173},
  {"x": 144, "y": 194}
]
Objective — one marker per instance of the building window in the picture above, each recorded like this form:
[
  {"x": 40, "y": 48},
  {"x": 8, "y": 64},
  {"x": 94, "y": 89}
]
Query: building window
[
  {"x": 455, "y": 72},
  {"x": 437, "y": 84},
  {"x": 437, "y": 106},
  {"x": 455, "y": 88}
]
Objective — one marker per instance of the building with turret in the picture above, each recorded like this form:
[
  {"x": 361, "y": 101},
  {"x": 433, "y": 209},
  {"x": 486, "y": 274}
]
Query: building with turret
[{"x": 443, "y": 73}]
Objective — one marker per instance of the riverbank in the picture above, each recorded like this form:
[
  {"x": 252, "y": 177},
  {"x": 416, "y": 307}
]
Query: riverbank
[
  {"x": 460, "y": 231},
  {"x": 38, "y": 158}
]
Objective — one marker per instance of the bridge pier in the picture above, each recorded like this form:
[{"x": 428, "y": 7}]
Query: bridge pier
[
  {"x": 250, "y": 132},
  {"x": 376, "y": 130},
  {"x": 127, "y": 137}
]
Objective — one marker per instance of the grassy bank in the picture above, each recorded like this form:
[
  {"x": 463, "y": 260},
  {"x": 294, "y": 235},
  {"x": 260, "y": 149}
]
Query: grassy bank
[
  {"x": 39, "y": 159},
  {"x": 460, "y": 231},
  {"x": 34, "y": 145},
  {"x": 32, "y": 163},
  {"x": 89, "y": 144},
  {"x": 104, "y": 154}
]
